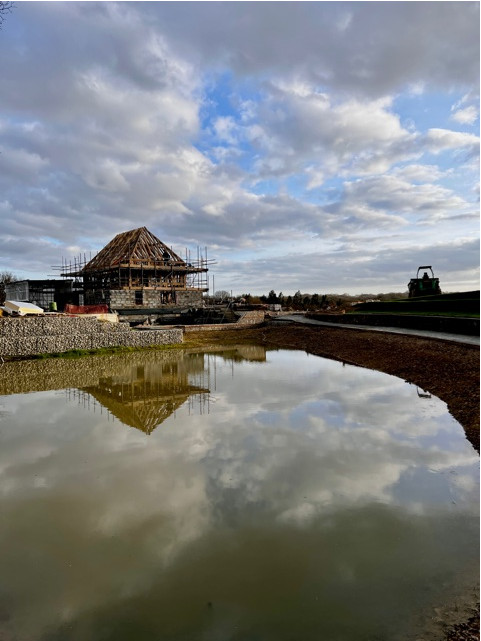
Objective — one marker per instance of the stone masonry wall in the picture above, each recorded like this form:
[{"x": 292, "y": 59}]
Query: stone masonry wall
[
  {"x": 251, "y": 318},
  {"x": 153, "y": 299},
  {"x": 30, "y": 336},
  {"x": 125, "y": 299},
  {"x": 191, "y": 298}
]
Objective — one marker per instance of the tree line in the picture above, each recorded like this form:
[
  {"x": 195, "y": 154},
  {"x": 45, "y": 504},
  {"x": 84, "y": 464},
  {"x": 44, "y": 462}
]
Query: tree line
[{"x": 316, "y": 301}]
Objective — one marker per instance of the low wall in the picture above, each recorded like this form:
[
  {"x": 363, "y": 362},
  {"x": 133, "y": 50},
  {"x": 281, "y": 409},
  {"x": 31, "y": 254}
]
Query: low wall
[
  {"x": 253, "y": 317},
  {"x": 246, "y": 319},
  {"x": 51, "y": 334}
]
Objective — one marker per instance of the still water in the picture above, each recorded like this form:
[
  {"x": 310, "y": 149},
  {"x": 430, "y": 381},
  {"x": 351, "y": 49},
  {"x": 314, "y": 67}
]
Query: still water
[{"x": 227, "y": 496}]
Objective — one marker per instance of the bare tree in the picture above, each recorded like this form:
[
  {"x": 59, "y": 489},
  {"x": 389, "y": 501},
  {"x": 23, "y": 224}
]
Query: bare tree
[
  {"x": 5, "y": 278},
  {"x": 5, "y": 8},
  {"x": 221, "y": 294}
]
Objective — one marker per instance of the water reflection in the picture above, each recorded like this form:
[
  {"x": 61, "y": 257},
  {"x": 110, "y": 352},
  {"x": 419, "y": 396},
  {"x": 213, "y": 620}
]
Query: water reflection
[
  {"x": 141, "y": 390},
  {"x": 39, "y": 375},
  {"x": 309, "y": 501},
  {"x": 144, "y": 396}
]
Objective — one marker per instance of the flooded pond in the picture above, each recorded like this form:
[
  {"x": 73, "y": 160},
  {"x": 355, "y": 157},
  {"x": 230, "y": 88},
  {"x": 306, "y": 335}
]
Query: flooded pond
[{"x": 226, "y": 496}]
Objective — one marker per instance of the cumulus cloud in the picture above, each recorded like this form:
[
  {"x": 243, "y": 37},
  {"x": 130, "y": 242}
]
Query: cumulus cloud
[
  {"x": 388, "y": 266},
  {"x": 305, "y": 127},
  {"x": 465, "y": 113},
  {"x": 391, "y": 193},
  {"x": 468, "y": 115},
  {"x": 438, "y": 140},
  {"x": 419, "y": 173},
  {"x": 346, "y": 46},
  {"x": 210, "y": 128}
]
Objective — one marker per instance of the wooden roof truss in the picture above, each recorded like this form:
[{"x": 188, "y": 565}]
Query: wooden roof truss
[{"x": 137, "y": 258}]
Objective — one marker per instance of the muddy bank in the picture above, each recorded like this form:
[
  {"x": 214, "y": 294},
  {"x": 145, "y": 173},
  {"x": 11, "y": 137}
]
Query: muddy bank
[{"x": 447, "y": 370}]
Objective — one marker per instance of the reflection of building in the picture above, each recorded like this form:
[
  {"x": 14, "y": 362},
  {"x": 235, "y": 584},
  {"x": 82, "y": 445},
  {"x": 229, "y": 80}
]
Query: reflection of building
[
  {"x": 145, "y": 395},
  {"x": 140, "y": 390},
  {"x": 251, "y": 353}
]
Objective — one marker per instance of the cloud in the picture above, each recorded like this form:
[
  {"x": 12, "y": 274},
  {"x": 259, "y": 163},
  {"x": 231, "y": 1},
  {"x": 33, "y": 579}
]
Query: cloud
[
  {"x": 438, "y": 140},
  {"x": 306, "y": 128},
  {"x": 237, "y": 127},
  {"x": 224, "y": 128},
  {"x": 387, "y": 267},
  {"x": 466, "y": 116},
  {"x": 345, "y": 46},
  {"x": 465, "y": 113},
  {"x": 391, "y": 193},
  {"x": 419, "y": 173}
]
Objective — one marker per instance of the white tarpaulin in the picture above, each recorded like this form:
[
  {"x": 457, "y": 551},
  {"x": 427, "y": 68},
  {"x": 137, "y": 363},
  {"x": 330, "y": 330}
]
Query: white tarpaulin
[{"x": 20, "y": 308}]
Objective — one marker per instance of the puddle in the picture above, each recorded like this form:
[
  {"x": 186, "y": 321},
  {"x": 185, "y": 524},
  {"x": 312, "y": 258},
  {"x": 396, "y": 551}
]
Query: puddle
[{"x": 237, "y": 495}]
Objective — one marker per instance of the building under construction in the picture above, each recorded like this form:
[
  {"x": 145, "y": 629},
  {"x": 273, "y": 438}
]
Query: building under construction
[{"x": 137, "y": 274}]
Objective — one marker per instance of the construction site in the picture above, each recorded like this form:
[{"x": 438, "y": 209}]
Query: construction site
[{"x": 139, "y": 277}]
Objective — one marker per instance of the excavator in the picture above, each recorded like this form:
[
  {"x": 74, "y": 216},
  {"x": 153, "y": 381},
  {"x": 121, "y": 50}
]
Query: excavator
[{"x": 425, "y": 286}]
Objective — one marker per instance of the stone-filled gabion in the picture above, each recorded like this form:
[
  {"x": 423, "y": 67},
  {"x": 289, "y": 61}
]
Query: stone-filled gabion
[{"x": 50, "y": 334}]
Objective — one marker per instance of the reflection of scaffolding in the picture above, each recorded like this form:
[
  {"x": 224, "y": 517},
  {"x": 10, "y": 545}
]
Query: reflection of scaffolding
[
  {"x": 87, "y": 401},
  {"x": 144, "y": 396},
  {"x": 143, "y": 414},
  {"x": 145, "y": 393}
]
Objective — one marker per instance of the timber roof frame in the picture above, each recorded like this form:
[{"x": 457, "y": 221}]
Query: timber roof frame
[{"x": 137, "y": 248}]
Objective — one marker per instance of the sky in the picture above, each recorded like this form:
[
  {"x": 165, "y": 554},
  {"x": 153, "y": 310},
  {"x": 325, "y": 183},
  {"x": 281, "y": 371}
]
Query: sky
[{"x": 313, "y": 146}]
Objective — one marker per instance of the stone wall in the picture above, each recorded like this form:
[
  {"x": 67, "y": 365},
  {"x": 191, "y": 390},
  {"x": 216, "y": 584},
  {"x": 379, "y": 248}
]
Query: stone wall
[
  {"x": 253, "y": 317},
  {"x": 153, "y": 299},
  {"x": 246, "y": 319},
  {"x": 192, "y": 298},
  {"x": 51, "y": 334},
  {"x": 125, "y": 299}
]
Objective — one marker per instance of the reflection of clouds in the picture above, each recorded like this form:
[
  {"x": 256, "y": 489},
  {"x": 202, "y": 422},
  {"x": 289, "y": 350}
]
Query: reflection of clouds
[
  {"x": 350, "y": 445},
  {"x": 119, "y": 504},
  {"x": 351, "y": 432},
  {"x": 464, "y": 480},
  {"x": 25, "y": 446},
  {"x": 322, "y": 472},
  {"x": 298, "y": 441}
]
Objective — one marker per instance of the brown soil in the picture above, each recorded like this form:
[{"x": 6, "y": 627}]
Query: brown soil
[
  {"x": 465, "y": 631},
  {"x": 445, "y": 369}
]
